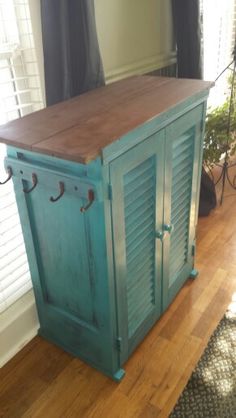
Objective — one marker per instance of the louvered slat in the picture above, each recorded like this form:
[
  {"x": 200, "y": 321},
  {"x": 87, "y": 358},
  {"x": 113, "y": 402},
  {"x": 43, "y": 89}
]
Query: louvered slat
[
  {"x": 179, "y": 176},
  {"x": 138, "y": 218},
  {"x": 147, "y": 267},
  {"x": 180, "y": 187},
  {"x": 139, "y": 199},
  {"x": 182, "y": 167},
  {"x": 134, "y": 247}
]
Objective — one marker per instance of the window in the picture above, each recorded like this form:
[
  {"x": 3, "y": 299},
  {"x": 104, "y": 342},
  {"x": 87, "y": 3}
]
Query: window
[
  {"x": 219, "y": 24},
  {"x": 20, "y": 94}
]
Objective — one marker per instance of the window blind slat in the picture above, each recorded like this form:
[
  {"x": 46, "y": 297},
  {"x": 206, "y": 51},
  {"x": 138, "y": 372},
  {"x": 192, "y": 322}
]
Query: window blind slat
[
  {"x": 9, "y": 224},
  {"x": 16, "y": 279},
  {"x": 16, "y": 286},
  {"x": 20, "y": 94},
  {"x": 9, "y": 212},
  {"x": 6, "y": 200},
  {"x": 11, "y": 234},
  {"x": 11, "y": 245},
  {"x": 13, "y": 271},
  {"x": 11, "y": 255},
  {"x": 11, "y": 297}
]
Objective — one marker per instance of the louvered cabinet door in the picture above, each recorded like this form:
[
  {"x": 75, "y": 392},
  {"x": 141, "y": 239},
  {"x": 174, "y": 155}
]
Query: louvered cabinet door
[
  {"x": 137, "y": 210},
  {"x": 182, "y": 177}
]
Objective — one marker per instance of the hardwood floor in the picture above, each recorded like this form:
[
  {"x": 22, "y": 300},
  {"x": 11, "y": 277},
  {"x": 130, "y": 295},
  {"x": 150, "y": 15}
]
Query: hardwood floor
[{"x": 43, "y": 381}]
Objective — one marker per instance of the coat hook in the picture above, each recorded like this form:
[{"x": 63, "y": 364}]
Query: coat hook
[
  {"x": 90, "y": 199},
  {"x": 34, "y": 181},
  {"x": 9, "y": 171},
  {"x": 62, "y": 190}
]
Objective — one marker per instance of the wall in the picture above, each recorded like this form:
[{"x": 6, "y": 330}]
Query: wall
[{"x": 135, "y": 36}]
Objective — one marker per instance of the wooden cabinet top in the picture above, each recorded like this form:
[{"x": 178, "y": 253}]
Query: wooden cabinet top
[{"x": 80, "y": 128}]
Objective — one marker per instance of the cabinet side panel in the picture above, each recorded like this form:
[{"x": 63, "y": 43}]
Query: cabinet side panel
[
  {"x": 60, "y": 236},
  {"x": 67, "y": 256}
]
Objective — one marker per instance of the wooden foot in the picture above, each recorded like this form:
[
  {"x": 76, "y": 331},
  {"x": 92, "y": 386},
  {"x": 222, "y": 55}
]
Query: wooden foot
[
  {"x": 118, "y": 376},
  {"x": 194, "y": 274}
]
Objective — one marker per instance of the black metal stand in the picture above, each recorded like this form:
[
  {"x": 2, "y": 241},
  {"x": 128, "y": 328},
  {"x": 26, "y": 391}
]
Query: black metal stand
[{"x": 226, "y": 166}]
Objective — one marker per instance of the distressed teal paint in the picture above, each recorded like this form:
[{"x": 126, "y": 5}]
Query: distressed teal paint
[
  {"x": 188, "y": 160},
  {"x": 102, "y": 278},
  {"x": 69, "y": 262},
  {"x": 144, "y": 192}
]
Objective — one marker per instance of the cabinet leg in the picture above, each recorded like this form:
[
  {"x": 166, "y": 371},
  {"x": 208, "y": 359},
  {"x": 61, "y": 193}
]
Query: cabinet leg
[
  {"x": 118, "y": 376},
  {"x": 194, "y": 274}
]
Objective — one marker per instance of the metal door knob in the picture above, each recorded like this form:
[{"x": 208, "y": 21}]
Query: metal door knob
[
  {"x": 169, "y": 228},
  {"x": 160, "y": 235}
]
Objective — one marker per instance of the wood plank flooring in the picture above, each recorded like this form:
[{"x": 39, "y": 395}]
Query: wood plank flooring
[{"x": 43, "y": 381}]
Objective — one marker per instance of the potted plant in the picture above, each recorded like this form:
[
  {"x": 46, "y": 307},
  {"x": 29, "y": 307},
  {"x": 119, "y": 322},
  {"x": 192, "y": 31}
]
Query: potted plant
[
  {"x": 219, "y": 143},
  {"x": 220, "y": 132}
]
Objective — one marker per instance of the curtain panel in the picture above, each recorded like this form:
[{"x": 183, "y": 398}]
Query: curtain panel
[
  {"x": 187, "y": 30},
  {"x": 72, "y": 60}
]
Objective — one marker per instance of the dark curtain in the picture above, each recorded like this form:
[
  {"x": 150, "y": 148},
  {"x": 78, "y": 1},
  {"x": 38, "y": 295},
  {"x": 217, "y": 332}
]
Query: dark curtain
[
  {"x": 72, "y": 61},
  {"x": 187, "y": 30}
]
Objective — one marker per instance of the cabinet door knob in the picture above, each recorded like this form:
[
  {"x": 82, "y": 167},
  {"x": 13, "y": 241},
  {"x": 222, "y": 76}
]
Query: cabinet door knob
[
  {"x": 169, "y": 228},
  {"x": 160, "y": 235}
]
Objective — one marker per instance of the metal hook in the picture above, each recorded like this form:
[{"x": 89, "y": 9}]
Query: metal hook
[
  {"x": 34, "y": 181},
  {"x": 90, "y": 199},
  {"x": 62, "y": 190},
  {"x": 9, "y": 171}
]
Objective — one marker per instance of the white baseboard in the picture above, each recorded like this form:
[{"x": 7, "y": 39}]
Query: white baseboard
[
  {"x": 18, "y": 325},
  {"x": 142, "y": 67}
]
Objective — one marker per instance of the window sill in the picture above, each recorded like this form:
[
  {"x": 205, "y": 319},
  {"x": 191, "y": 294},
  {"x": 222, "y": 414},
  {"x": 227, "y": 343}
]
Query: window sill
[{"x": 18, "y": 325}]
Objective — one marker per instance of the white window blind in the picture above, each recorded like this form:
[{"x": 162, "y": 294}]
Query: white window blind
[
  {"x": 219, "y": 23},
  {"x": 20, "y": 94}
]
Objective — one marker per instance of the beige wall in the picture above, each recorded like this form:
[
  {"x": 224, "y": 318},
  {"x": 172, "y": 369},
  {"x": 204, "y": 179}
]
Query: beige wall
[{"x": 135, "y": 36}]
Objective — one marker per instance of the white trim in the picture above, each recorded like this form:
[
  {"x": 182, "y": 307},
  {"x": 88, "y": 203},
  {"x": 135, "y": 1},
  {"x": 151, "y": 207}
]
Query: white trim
[
  {"x": 141, "y": 67},
  {"x": 18, "y": 325}
]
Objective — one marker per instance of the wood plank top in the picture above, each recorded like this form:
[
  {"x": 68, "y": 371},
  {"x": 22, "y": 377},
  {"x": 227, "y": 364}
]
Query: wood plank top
[{"x": 78, "y": 129}]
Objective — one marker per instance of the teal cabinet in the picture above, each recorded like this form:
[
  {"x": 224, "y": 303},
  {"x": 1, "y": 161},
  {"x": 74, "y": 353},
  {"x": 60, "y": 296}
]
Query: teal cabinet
[{"x": 111, "y": 241}]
